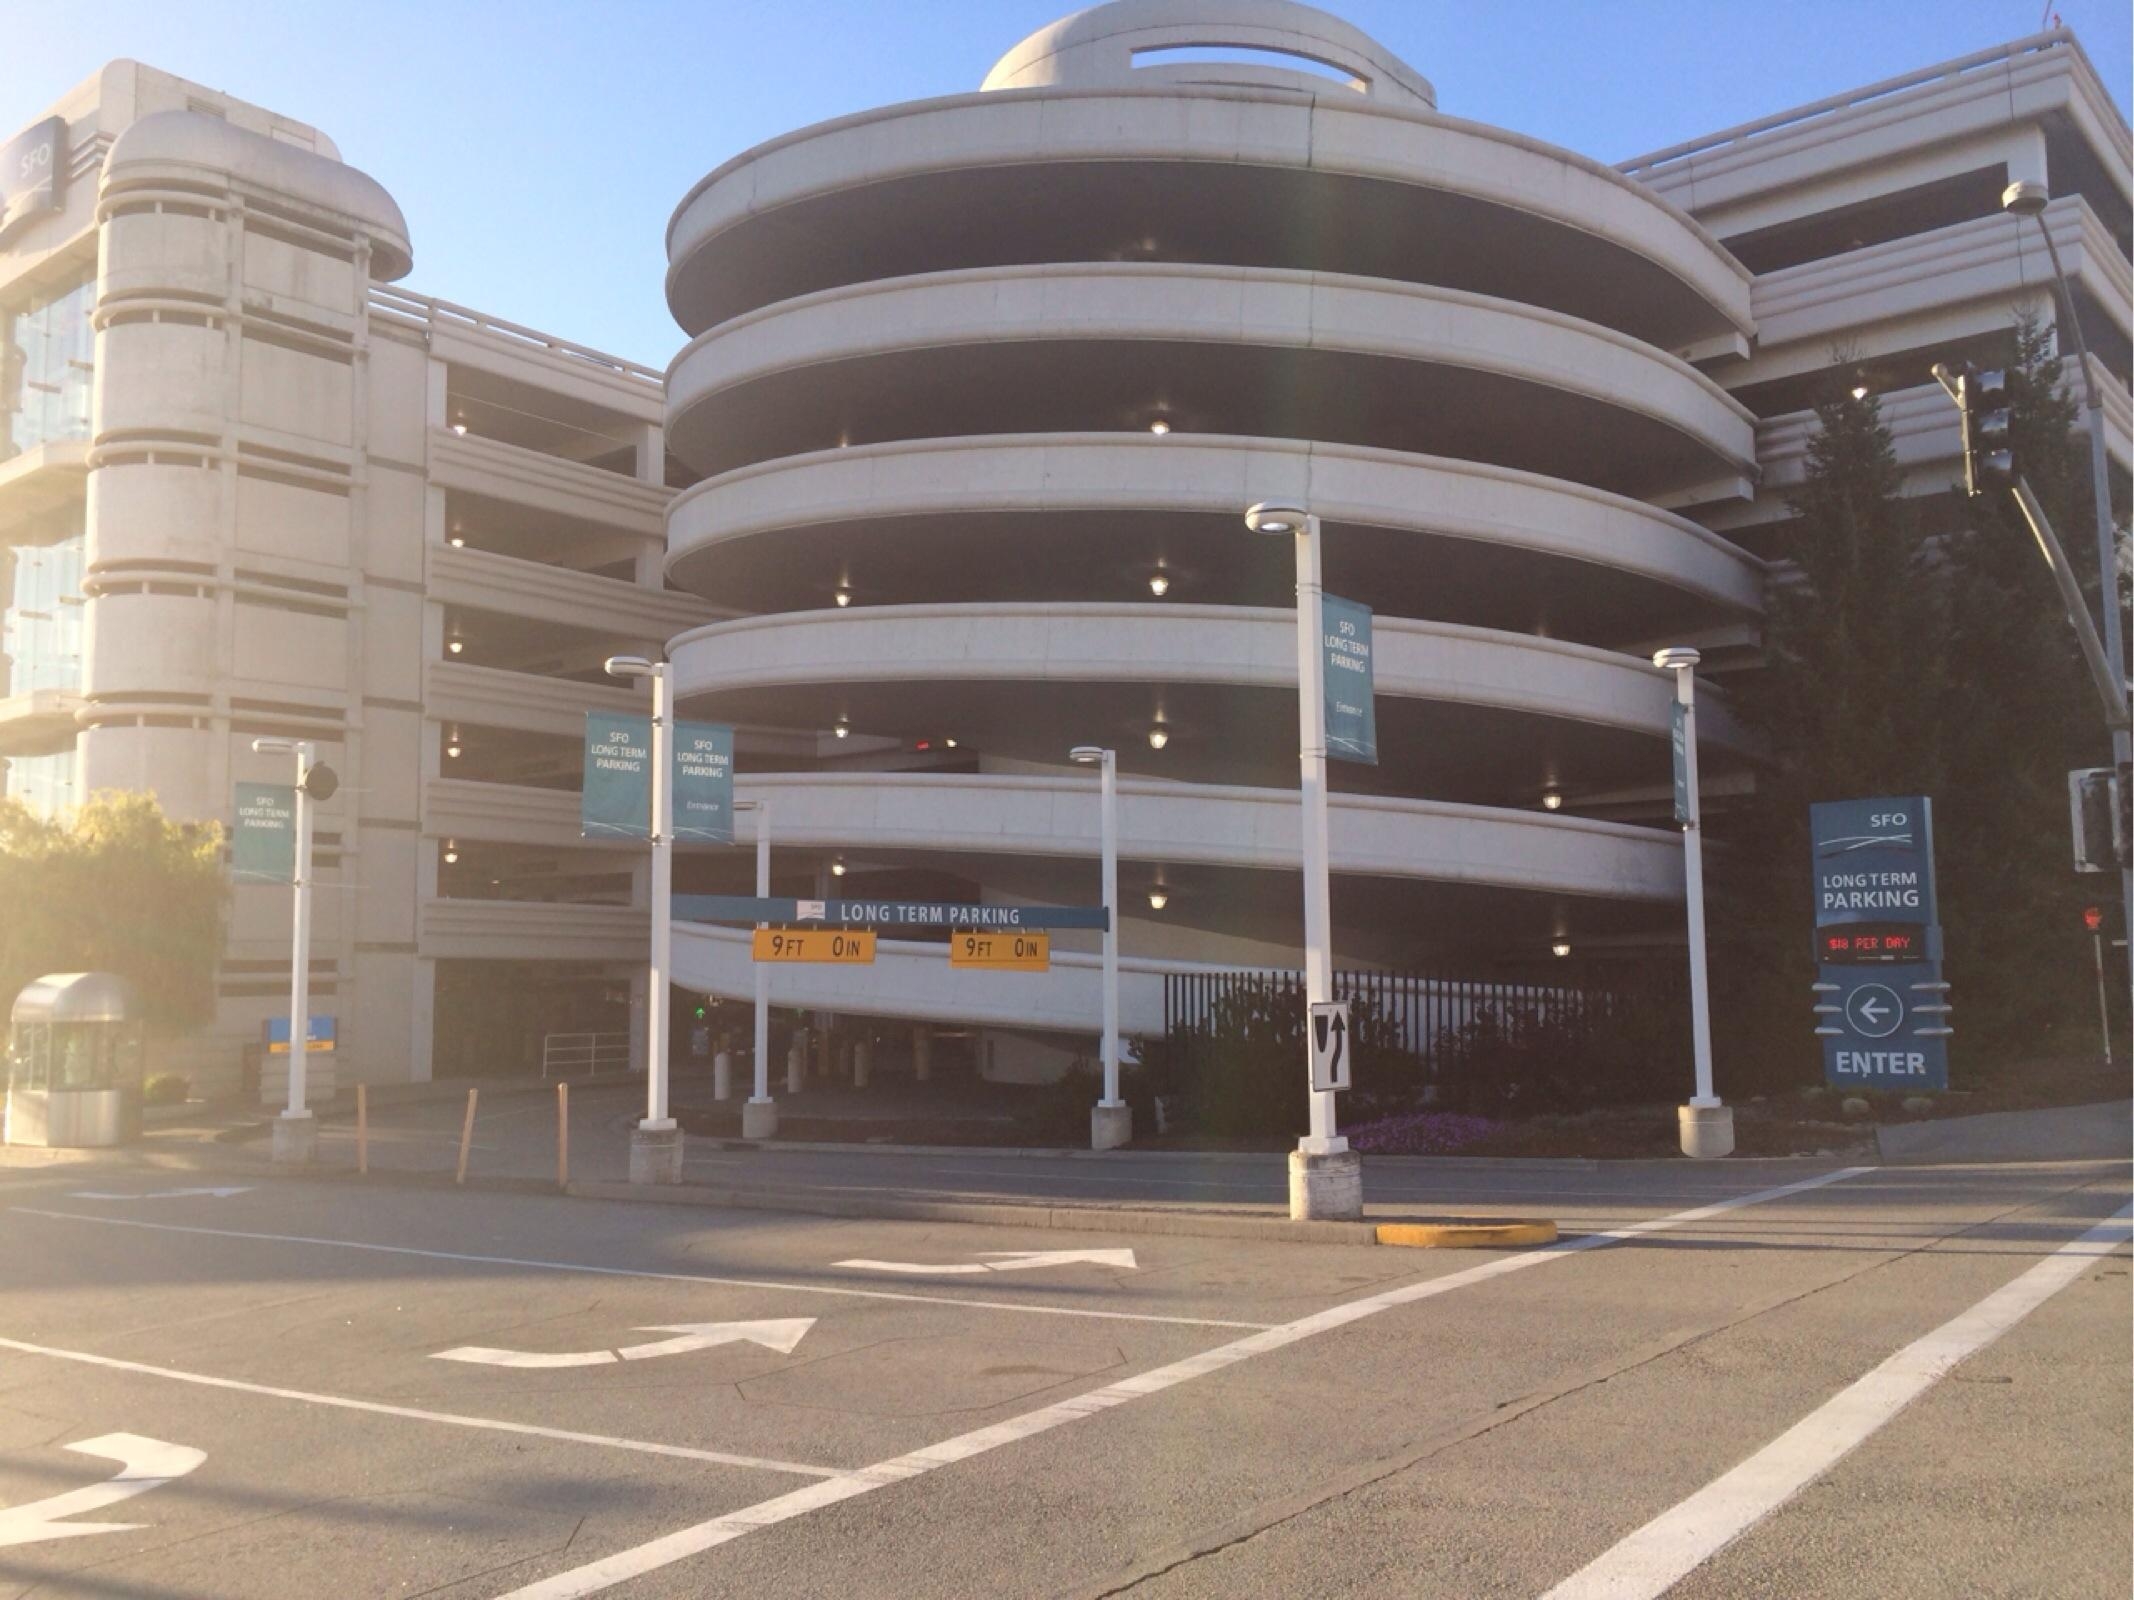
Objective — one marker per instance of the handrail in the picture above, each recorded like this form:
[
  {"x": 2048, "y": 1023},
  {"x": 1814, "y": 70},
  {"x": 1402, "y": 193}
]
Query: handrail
[
  {"x": 583, "y": 1054},
  {"x": 431, "y": 309},
  {"x": 2052, "y": 38}
]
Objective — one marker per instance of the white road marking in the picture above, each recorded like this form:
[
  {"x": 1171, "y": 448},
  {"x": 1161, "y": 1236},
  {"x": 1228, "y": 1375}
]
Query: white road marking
[
  {"x": 624, "y": 1565},
  {"x": 158, "y": 1194},
  {"x": 781, "y": 1336},
  {"x": 1007, "y": 1261},
  {"x": 144, "y": 1464},
  {"x": 412, "y": 1414},
  {"x": 1667, "y": 1549},
  {"x": 633, "y": 1272}
]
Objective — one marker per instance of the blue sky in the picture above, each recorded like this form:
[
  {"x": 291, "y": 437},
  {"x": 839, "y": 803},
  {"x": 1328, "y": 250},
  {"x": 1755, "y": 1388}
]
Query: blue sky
[{"x": 538, "y": 148}]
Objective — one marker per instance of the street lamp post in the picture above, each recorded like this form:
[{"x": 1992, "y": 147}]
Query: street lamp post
[
  {"x": 1707, "y": 1127},
  {"x": 656, "y": 1143},
  {"x": 1111, "y": 1120},
  {"x": 1325, "y": 1175},
  {"x": 2029, "y": 199},
  {"x": 296, "y": 1131},
  {"x": 759, "y": 1113}
]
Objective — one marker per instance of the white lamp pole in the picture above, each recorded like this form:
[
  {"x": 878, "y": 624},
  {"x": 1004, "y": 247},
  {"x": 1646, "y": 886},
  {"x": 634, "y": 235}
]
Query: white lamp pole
[
  {"x": 295, "y": 1131},
  {"x": 759, "y": 1116},
  {"x": 1111, "y": 1123},
  {"x": 1707, "y": 1126},
  {"x": 656, "y": 1146},
  {"x": 1325, "y": 1178},
  {"x": 2029, "y": 199}
]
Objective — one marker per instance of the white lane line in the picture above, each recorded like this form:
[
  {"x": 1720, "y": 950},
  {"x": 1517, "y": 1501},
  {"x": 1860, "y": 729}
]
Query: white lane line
[
  {"x": 412, "y": 1414},
  {"x": 633, "y": 1272},
  {"x": 624, "y": 1565},
  {"x": 1667, "y": 1549}
]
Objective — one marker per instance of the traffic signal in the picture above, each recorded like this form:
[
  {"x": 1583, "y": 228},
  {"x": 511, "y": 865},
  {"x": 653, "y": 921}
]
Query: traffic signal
[
  {"x": 1989, "y": 462},
  {"x": 2097, "y": 806}
]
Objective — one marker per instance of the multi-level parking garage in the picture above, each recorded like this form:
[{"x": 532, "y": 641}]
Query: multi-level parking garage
[{"x": 980, "y": 387}]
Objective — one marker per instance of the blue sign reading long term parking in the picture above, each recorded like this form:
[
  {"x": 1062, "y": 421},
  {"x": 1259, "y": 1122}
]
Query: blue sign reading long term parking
[{"x": 1881, "y": 1007}]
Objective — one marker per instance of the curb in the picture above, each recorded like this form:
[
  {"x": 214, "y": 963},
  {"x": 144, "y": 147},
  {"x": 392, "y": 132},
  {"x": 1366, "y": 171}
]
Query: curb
[
  {"x": 1439, "y": 1235},
  {"x": 1513, "y": 1233},
  {"x": 1042, "y": 1153}
]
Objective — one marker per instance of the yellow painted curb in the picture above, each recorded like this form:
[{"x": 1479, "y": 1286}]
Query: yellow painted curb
[{"x": 1467, "y": 1235}]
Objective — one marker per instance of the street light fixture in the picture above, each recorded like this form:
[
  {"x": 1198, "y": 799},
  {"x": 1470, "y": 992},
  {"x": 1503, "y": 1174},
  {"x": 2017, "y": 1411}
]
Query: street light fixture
[
  {"x": 2026, "y": 198},
  {"x": 656, "y": 1144},
  {"x": 1707, "y": 1126},
  {"x": 1111, "y": 1120},
  {"x": 1159, "y": 736},
  {"x": 1325, "y": 1176},
  {"x": 295, "y": 1133}
]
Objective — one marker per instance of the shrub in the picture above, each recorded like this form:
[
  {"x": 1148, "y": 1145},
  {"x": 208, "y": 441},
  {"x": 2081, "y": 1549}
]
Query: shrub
[{"x": 166, "y": 1089}]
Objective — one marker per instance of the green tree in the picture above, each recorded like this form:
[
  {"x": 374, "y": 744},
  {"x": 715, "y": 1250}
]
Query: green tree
[
  {"x": 1849, "y": 703},
  {"x": 2020, "y": 713},
  {"x": 116, "y": 887}
]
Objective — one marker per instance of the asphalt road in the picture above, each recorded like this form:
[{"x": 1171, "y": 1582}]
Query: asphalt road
[{"x": 1760, "y": 1382}]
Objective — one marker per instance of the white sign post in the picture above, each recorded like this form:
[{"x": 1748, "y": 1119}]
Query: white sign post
[{"x": 1707, "y": 1127}]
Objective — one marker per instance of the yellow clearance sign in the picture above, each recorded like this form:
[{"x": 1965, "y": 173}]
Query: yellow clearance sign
[
  {"x": 1001, "y": 952},
  {"x": 851, "y": 945}
]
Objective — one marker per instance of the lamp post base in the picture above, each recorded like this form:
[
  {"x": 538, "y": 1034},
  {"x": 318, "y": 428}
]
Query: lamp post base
[
  {"x": 296, "y": 1138},
  {"x": 1707, "y": 1131},
  {"x": 1325, "y": 1188},
  {"x": 656, "y": 1155},
  {"x": 759, "y": 1119},
  {"x": 1110, "y": 1126}
]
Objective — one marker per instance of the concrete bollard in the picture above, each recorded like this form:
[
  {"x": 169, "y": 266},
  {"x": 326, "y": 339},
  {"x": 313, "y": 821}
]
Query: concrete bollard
[
  {"x": 824, "y": 1056},
  {"x": 1707, "y": 1131},
  {"x": 844, "y": 1061},
  {"x": 466, "y": 1136},
  {"x": 563, "y": 1136},
  {"x": 722, "y": 1076},
  {"x": 362, "y": 1130},
  {"x": 862, "y": 1063},
  {"x": 796, "y": 1062},
  {"x": 922, "y": 1052}
]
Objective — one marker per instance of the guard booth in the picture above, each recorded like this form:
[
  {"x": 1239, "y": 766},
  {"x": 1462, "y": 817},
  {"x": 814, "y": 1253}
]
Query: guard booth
[{"x": 74, "y": 1062}]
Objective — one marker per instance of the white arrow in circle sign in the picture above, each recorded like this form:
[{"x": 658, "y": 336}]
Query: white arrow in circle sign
[
  {"x": 780, "y": 1336},
  {"x": 1006, "y": 1261},
  {"x": 158, "y": 1194},
  {"x": 144, "y": 1464},
  {"x": 1874, "y": 1011}
]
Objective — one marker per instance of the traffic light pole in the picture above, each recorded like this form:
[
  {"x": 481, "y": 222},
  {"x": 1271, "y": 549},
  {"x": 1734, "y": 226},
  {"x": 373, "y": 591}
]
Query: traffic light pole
[{"x": 2111, "y": 688}]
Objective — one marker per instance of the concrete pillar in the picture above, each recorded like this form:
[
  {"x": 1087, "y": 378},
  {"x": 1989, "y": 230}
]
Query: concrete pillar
[
  {"x": 796, "y": 1061},
  {"x": 823, "y": 1056},
  {"x": 862, "y": 1063},
  {"x": 922, "y": 1052},
  {"x": 722, "y": 1076},
  {"x": 844, "y": 1061}
]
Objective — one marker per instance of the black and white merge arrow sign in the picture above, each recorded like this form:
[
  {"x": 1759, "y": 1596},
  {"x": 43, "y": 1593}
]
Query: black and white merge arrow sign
[{"x": 1330, "y": 1045}]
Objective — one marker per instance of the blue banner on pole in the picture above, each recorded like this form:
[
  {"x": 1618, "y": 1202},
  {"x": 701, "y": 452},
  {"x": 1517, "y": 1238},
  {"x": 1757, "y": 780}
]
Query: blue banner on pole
[
  {"x": 1351, "y": 718},
  {"x": 263, "y": 842},
  {"x": 615, "y": 800},
  {"x": 703, "y": 783},
  {"x": 1678, "y": 739}
]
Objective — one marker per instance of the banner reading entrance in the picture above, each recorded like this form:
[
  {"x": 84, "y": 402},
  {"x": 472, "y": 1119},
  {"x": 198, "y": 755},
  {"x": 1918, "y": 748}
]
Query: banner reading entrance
[
  {"x": 1351, "y": 718},
  {"x": 263, "y": 844},
  {"x": 615, "y": 801}
]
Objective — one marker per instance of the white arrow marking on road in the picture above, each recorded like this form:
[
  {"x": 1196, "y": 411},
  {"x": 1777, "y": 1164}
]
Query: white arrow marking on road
[
  {"x": 781, "y": 1336},
  {"x": 1008, "y": 1261},
  {"x": 144, "y": 1464},
  {"x": 158, "y": 1194}
]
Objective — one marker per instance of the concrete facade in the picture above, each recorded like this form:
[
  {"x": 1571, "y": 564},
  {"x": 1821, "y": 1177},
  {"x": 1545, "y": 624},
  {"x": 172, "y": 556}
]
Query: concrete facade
[
  {"x": 247, "y": 487},
  {"x": 949, "y": 478}
]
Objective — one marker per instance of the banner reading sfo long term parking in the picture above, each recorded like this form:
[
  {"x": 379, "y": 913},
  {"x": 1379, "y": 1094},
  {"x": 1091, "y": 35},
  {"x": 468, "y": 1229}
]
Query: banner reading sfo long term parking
[{"x": 616, "y": 799}]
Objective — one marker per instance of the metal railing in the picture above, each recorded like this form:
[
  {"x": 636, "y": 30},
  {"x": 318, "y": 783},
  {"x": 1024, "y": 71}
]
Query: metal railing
[
  {"x": 1646, "y": 165},
  {"x": 1430, "y": 1015},
  {"x": 584, "y": 1055},
  {"x": 428, "y": 309}
]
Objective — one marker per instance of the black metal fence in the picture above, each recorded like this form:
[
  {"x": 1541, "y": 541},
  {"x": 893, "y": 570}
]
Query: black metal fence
[{"x": 1434, "y": 1015}]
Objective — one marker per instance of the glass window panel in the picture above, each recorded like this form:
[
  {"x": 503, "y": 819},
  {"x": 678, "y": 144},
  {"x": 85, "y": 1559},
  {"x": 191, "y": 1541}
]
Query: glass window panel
[{"x": 47, "y": 368}]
